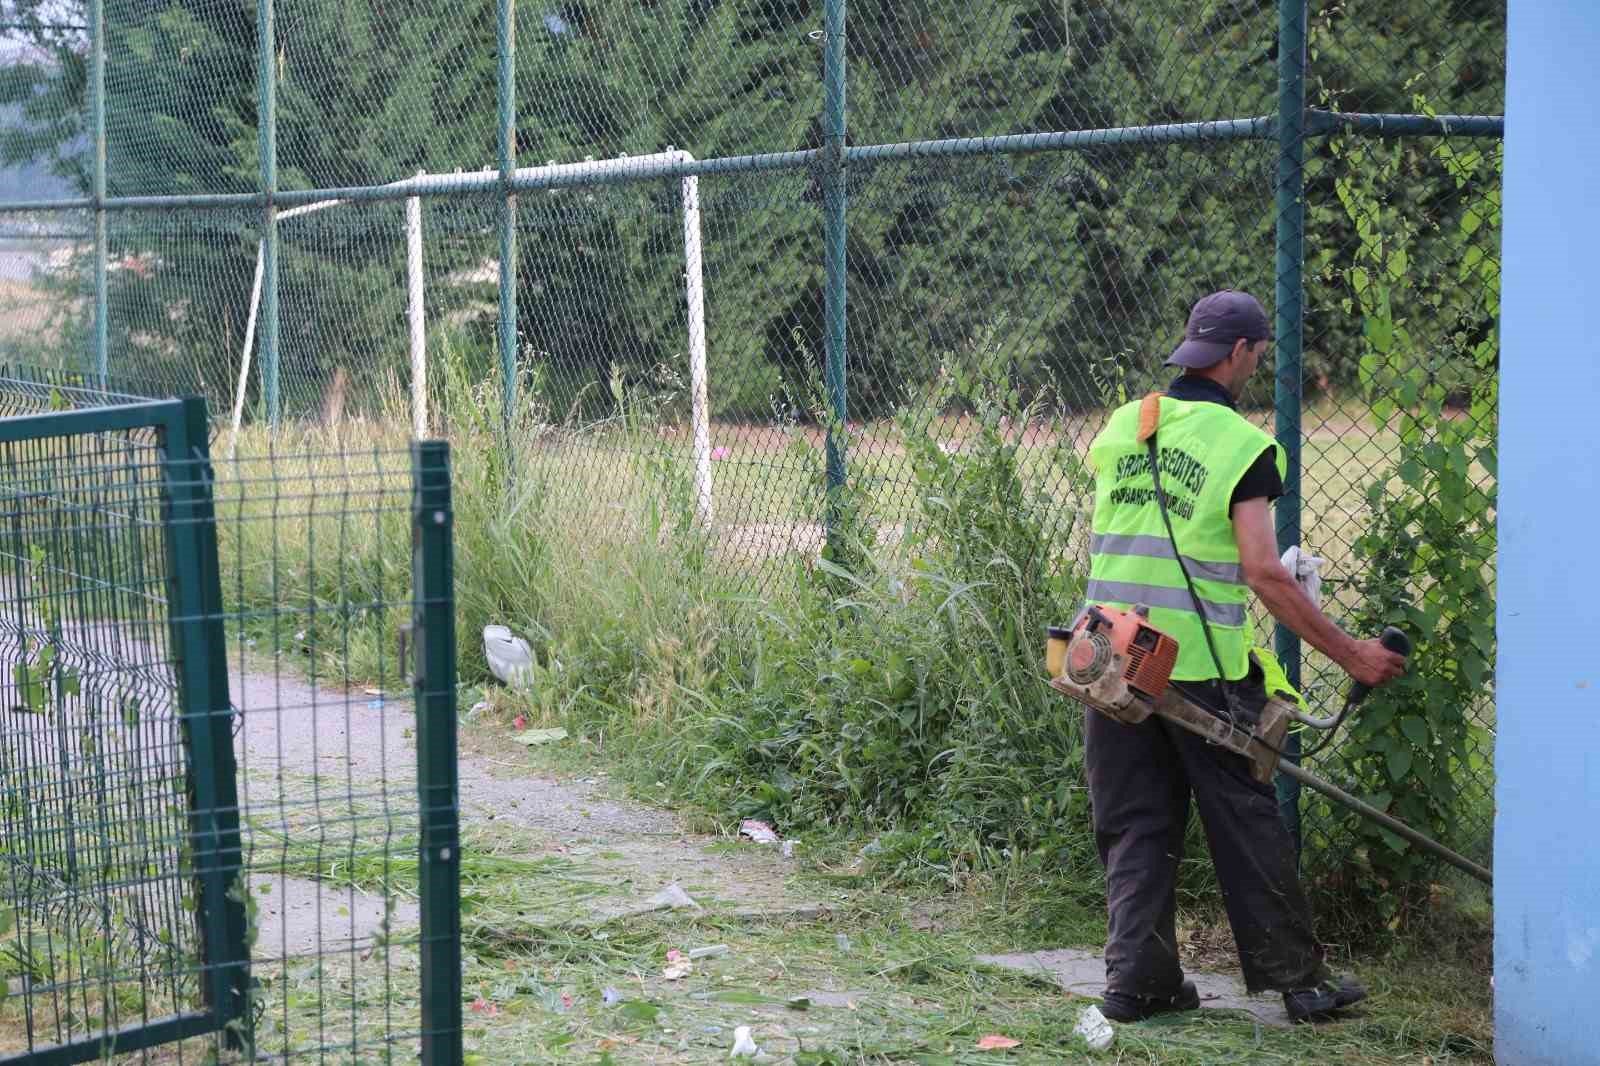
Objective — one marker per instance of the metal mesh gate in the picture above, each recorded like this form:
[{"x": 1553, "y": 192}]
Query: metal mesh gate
[
  {"x": 180, "y": 864},
  {"x": 116, "y": 759}
]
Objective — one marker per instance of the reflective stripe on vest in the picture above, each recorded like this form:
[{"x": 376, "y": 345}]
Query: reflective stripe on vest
[
  {"x": 1218, "y": 614},
  {"x": 1161, "y": 548}
]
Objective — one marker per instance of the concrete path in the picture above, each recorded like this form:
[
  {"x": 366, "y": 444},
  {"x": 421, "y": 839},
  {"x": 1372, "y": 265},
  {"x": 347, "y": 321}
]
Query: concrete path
[{"x": 1084, "y": 973}]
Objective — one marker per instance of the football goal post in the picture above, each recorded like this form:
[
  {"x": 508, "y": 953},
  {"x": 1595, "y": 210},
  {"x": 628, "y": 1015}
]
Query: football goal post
[{"x": 568, "y": 174}]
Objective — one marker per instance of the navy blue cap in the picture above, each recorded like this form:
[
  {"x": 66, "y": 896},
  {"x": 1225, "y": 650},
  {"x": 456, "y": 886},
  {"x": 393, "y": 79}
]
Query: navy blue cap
[{"x": 1216, "y": 323}]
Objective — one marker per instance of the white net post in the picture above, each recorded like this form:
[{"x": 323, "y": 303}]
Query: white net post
[
  {"x": 250, "y": 321},
  {"x": 417, "y": 318},
  {"x": 700, "y": 417},
  {"x": 244, "y": 358}
]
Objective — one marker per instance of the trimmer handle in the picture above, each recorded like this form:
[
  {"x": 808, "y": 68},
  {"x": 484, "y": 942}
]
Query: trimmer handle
[{"x": 1395, "y": 641}]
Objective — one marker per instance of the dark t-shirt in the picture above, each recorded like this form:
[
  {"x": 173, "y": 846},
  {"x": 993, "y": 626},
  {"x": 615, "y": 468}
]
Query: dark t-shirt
[{"x": 1262, "y": 478}]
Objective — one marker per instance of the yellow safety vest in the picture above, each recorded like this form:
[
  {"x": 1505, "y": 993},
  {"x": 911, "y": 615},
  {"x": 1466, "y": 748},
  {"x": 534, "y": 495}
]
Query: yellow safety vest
[{"x": 1205, "y": 448}]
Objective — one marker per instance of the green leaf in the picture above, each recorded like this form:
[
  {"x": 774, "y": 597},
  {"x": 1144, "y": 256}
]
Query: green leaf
[
  {"x": 639, "y": 1011},
  {"x": 1397, "y": 264},
  {"x": 8, "y": 918},
  {"x": 1379, "y": 717},
  {"x": 1415, "y": 729},
  {"x": 1379, "y": 333},
  {"x": 535, "y": 737},
  {"x": 1399, "y": 762}
]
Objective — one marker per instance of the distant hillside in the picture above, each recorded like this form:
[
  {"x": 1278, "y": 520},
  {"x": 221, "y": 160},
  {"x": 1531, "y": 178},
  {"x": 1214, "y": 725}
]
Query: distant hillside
[{"x": 31, "y": 180}]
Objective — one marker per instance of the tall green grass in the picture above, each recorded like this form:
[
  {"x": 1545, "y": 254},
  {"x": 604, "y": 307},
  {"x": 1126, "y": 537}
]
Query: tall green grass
[{"x": 889, "y": 687}]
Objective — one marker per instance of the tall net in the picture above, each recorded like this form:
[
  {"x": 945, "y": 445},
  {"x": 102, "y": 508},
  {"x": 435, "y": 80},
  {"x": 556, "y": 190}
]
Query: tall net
[{"x": 1036, "y": 195}]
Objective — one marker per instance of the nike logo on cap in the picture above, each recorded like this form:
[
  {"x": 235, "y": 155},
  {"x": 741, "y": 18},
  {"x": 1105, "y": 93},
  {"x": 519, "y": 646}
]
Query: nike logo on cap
[{"x": 1205, "y": 329}]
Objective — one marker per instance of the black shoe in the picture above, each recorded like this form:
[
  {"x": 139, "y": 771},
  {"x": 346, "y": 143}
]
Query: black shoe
[
  {"x": 1322, "y": 999},
  {"x": 1123, "y": 1007}
]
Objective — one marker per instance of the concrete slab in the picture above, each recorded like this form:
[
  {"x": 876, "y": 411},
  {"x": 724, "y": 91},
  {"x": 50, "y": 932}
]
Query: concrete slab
[
  {"x": 298, "y": 917},
  {"x": 1083, "y": 973}
]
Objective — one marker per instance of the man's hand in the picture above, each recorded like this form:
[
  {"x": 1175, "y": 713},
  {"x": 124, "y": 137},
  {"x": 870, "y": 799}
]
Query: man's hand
[
  {"x": 1365, "y": 660},
  {"x": 1372, "y": 664}
]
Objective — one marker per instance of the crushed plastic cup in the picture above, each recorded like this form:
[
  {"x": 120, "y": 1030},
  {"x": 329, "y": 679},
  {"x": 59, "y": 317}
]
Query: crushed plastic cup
[
  {"x": 758, "y": 831},
  {"x": 1094, "y": 1029}
]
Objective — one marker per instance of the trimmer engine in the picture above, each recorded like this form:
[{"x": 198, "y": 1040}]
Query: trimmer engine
[
  {"x": 1117, "y": 663},
  {"x": 1114, "y": 661}
]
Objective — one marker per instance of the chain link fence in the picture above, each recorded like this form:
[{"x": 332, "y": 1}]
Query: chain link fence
[{"x": 1045, "y": 187}]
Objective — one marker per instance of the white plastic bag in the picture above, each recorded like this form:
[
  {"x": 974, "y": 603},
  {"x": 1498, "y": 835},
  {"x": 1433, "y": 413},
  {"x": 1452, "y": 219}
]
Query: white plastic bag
[
  {"x": 510, "y": 658},
  {"x": 743, "y": 1046},
  {"x": 1306, "y": 569}
]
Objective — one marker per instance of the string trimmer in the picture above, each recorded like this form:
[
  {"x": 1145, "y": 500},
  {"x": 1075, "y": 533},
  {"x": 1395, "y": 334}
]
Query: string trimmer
[{"x": 1119, "y": 664}]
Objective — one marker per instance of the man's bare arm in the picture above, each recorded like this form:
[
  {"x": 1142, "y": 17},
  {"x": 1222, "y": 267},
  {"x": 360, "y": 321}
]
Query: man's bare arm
[{"x": 1365, "y": 660}]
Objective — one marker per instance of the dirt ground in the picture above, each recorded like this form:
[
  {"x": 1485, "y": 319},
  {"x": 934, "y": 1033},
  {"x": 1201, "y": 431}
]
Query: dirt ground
[{"x": 306, "y": 750}]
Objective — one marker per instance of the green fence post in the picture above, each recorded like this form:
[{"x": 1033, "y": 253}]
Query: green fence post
[
  {"x": 267, "y": 137},
  {"x": 833, "y": 238},
  {"x": 433, "y": 627},
  {"x": 97, "y": 109},
  {"x": 194, "y": 578},
  {"x": 508, "y": 215},
  {"x": 1289, "y": 328}
]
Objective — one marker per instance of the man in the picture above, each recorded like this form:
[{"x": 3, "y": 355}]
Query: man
[{"x": 1219, "y": 473}]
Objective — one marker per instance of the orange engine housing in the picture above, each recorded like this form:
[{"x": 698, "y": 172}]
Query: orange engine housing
[{"x": 1150, "y": 653}]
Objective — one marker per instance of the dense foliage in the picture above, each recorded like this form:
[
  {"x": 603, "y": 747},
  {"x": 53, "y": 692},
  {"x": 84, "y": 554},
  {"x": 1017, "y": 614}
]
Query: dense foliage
[{"x": 1086, "y": 255}]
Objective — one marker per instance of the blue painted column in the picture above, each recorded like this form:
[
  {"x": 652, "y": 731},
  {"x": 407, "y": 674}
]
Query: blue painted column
[{"x": 1547, "y": 752}]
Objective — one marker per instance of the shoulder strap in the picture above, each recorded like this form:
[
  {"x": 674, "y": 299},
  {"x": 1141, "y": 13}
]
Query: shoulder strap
[
  {"x": 1150, "y": 401},
  {"x": 1149, "y": 415}
]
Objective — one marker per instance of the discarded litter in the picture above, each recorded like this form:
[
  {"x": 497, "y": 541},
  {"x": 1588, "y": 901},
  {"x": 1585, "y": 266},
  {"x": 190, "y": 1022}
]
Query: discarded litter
[
  {"x": 743, "y": 1046},
  {"x": 510, "y": 658},
  {"x": 788, "y": 848},
  {"x": 535, "y": 737},
  {"x": 996, "y": 1042},
  {"x": 610, "y": 997},
  {"x": 710, "y": 952},
  {"x": 758, "y": 831},
  {"x": 678, "y": 965},
  {"x": 1094, "y": 1029},
  {"x": 671, "y": 898},
  {"x": 842, "y": 942}
]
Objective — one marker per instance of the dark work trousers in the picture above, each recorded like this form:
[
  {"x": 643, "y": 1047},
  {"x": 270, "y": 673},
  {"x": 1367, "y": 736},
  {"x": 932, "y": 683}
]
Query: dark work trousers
[{"x": 1140, "y": 778}]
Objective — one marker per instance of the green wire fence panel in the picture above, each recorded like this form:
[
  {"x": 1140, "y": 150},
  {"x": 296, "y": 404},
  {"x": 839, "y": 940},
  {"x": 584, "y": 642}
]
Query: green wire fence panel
[
  {"x": 228, "y": 804},
  {"x": 123, "y": 920}
]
